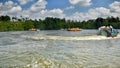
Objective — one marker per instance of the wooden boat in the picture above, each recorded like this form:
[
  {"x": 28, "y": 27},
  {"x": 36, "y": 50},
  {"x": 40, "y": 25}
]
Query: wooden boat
[
  {"x": 74, "y": 29},
  {"x": 32, "y": 29}
]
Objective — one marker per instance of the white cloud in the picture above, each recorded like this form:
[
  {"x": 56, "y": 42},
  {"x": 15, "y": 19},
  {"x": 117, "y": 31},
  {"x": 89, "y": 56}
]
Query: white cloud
[
  {"x": 1, "y": 4},
  {"x": 23, "y": 2},
  {"x": 9, "y": 7},
  {"x": 15, "y": 9},
  {"x": 80, "y": 2},
  {"x": 38, "y": 11},
  {"x": 114, "y": 10},
  {"x": 101, "y": 11},
  {"x": 48, "y": 13},
  {"x": 91, "y": 14},
  {"x": 6, "y": 6},
  {"x": 97, "y": 12},
  {"x": 9, "y": 3},
  {"x": 70, "y": 7},
  {"x": 115, "y": 7},
  {"x": 76, "y": 16},
  {"x": 55, "y": 13},
  {"x": 39, "y": 5}
]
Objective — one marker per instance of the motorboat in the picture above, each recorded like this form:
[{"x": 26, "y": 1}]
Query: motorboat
[{"x": 108, "y": 31}]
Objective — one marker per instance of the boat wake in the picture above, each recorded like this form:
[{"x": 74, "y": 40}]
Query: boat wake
[{"x": 46, "y": 37}]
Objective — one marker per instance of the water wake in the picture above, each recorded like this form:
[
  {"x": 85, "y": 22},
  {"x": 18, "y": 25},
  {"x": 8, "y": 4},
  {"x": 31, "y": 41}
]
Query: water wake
[{"x": 45, "y": 37}]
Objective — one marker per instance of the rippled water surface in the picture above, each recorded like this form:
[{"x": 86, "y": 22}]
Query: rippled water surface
[{"x": 58, "y": 49}]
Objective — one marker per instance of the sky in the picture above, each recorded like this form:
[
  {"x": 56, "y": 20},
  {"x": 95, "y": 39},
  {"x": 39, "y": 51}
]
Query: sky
[{"x": 77, "y": 10}]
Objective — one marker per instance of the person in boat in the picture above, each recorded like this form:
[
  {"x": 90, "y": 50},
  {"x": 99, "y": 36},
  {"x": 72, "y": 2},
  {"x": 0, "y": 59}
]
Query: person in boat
[{"x": 111, "y": 28}]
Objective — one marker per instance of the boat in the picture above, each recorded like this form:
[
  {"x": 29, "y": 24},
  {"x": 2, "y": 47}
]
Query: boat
[
  {"x": 108, "y": 31},
  {"x": 74, "y": 29},
  {"x": 33, "y": 29}
]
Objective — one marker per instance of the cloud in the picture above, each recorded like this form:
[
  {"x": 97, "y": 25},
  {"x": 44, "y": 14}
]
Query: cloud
[
  {"x": 113, "y": 10},
  {"x": 70, "y": 7},
  {"x": 23, "y": 2},
  {"x": 6, "y": 6},
  {"x": 100, "y": 11},
  {"x": 55, "y": 13},
  {"x": 39, "y": 5},
  {"x": 91, "y": 14},
  {"x": 48, "y": 13},
  {"x": 9, "y": 7},
  {"x": 15, "y": 9},
  {"x": 1, "y": 4},
  {"x": 9, "y": 3},
  {"x": 80, "y": 2},
  {"x": 38, "y": 11},
  {"x": 115, "y": 7}
]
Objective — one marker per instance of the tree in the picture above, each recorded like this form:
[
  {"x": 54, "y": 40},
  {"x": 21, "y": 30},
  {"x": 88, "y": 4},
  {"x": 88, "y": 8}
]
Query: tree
[
  {"x": 99, "y": 22},
  {"x": 4, "y": 18}
]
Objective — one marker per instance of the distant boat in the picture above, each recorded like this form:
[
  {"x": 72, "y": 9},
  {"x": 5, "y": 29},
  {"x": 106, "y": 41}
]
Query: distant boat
[
  {"x": 33, "y": 29},
  {"x": 74, "y": 29},
  {"x": 108, "y": 31}
]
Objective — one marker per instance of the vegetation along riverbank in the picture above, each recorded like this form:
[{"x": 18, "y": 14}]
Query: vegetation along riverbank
[{"x": 8, "y": 23}]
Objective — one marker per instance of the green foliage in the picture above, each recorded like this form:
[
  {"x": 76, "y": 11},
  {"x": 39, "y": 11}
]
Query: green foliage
[
  {"x": 50, "y": 23},
  {"x": 3, "y": 26},
  {"x": 10, "y": 26},
  {"x": 4, "y": 18},
  {"x": 28, "y": 24}
]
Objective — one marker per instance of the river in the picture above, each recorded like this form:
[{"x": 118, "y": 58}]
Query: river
[{"x": 58, "y": 49}]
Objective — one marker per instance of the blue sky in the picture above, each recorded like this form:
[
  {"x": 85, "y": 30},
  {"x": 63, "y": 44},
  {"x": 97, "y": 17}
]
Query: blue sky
[
  {"x": 57, "y": 4},
  {"x": 69, "y": 9}
]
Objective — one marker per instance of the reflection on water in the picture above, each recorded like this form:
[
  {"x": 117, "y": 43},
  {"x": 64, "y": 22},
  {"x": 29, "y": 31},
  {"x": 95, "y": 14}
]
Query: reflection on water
[{"x": 58, "y": 49}]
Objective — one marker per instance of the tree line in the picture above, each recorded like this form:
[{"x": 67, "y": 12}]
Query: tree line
[{"x": 8, "y": 23}]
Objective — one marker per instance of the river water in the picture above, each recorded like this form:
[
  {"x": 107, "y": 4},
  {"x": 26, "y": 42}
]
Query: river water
[{"x": 58, "y": 49}]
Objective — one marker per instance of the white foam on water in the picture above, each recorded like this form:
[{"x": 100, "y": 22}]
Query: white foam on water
[{"x": 92, "y": 37}]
